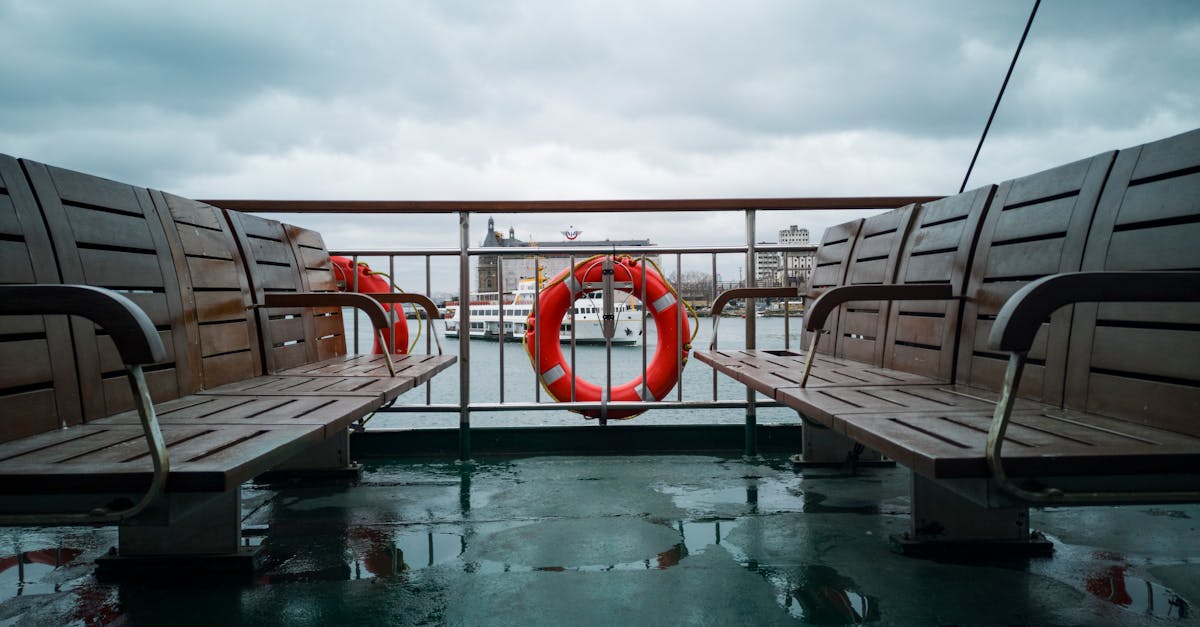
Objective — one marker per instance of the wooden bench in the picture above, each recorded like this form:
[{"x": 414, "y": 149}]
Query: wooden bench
[
  {"x": 161, "y": 391},
  {"x": 1042, "y": 391}
]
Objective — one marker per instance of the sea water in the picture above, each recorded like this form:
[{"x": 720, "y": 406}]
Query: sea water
[{"x": 590, "y": 363}]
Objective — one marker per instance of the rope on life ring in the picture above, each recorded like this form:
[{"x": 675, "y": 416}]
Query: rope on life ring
[
  {"x": 661, "y": 300},
  {"x": 369, "y": 281}
]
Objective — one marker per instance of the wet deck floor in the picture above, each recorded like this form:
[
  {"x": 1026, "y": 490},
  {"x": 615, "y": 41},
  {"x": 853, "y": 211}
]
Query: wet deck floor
[{"x": 620, "y": 541}]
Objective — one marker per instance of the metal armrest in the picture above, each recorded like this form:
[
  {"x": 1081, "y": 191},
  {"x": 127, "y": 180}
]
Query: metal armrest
[
  {"x": 137, "y": 342},
  {"x": 420, "y": 300},
  {"x": 130, "y": 328},
  {"x": 819, "y": 310},
  {"x": 362, "y": 302},
  {"x": 1023, "y": 313},
  {"x": 1016, "y": 326},
  {"x": 739, "y": 293}
]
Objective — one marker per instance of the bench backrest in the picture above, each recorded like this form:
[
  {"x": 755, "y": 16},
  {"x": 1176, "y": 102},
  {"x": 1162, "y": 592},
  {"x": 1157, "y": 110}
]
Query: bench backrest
[
  {"x": 179, "y": 260},
  {"x": 1141, "y": 361},
  {"x": 936, "y": 250},
  {"x": 109, "y": 234},
  {"x": 286, "y": 259},
  {"x": 1035, "y": 226},
  {"x": 38, "y": 388},
  {"x": 220, "y": 324},
  {"x": 829, "y": 270},
  {"x": 860, "y": 327}
]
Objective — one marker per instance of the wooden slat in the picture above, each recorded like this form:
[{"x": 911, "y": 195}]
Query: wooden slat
[
  {"x": 1167, "y": 155},
  {"x": 931, "y": 268},
  {"x": 17, "y": 267},
  {"x": 9, "y": 223},
  {"x": 422, "y": 368},
  {"x": 1163, "y": 248},
  {"x": 220, "y": 306},
  {"x": 230, "y": 367},
  {"x": 381, "y": 388},
  {"x": 188, "y": 211},
  {"x": 288, "y": 356},
  {"x": 951, "y": 445},
  {"x": 221, "y": 274},
  {"x": 28, "y": 413},
  {"x": 201, "y": 242},
  {"x": 110, "y": 458},
  {"x": 225, "y": 338},
  {"x": 25, "y": 362},
  {"x": 333, "y": 413},
  {"x": 120, "y": 268},
  {"x": 271, "y": 251},
  {"x": 163, "y": 385},
  {"x": 1168, "y": 405},
  {"x": 278, "y": 278},
  {"x": 826, "y": 405},
  {"x": 1167, "y": 353},
  {"x": 1024, "y": 259},
  {"x": 285, "y": 329},
  {"x": 1035, "y": 221},
  {"x": 92, "y": 226}
]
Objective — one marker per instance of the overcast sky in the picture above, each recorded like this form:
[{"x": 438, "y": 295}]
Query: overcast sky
[{"x": 561, "y": 100}]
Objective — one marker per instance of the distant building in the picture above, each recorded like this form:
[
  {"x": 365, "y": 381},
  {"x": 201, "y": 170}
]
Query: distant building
[
  {"x": 520, "y": 267},
  {"x": 793, "y": 235},
  {"x": 775, "y": 268}
]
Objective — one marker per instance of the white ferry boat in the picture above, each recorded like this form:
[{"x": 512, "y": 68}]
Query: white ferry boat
[{"x": 485, "y": 318}]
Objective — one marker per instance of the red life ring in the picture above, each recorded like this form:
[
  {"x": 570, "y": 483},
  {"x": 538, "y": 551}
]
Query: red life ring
[
  {"x": 371, "y": 281},
  {"x": 661, "y": 301}
]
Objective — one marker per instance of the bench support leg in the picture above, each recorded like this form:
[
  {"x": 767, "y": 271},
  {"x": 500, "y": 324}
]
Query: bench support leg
[
  {"x": 329, "y": 460},
  {"x": 825, "y": 447},
  {"x": 948, "y": 525},
  {"x": 186, "y": 533}
]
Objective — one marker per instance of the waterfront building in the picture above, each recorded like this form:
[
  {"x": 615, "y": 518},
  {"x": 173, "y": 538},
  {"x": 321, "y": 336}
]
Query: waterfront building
[
  {"x": 515, "y": 268},
  {"x": 791, "y": 268}
]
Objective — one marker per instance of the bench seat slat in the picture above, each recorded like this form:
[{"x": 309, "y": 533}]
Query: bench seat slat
[
  {"x": 244, "y": 452},
  {"x": 767, "y": 371},
  {"x": 332, "y": 413},
  {"x": 419, "y": 367},
  {"x": 936, "y": 445}
]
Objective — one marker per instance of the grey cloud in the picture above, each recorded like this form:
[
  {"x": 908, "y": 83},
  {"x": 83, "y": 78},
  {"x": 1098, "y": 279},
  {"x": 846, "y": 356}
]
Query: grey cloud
[{"x": 485, "y": 99}]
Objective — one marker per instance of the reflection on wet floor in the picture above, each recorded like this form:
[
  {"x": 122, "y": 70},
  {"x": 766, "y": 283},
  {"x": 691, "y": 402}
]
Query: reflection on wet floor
[
  {"x": 25, "y": 572},
  {"x": 377, "y": 554},
  {"x": 1118, "y": 586},
  {"x": 435, "y": 538}
]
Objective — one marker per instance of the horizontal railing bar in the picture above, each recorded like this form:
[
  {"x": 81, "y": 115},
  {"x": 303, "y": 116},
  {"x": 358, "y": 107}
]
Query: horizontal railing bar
[
  {"x": 560, "y": 251},
  {"x": 564, "y": 206},
  {"x": 572, "y": 250},
  {"x": 612, "y": 406}
]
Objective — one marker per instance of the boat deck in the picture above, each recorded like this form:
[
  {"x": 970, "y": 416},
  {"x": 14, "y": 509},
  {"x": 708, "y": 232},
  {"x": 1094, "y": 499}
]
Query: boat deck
[{"x": 647, "y": 539}]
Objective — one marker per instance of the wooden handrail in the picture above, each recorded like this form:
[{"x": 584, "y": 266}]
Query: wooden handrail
[{"x": 563, "y": 206}]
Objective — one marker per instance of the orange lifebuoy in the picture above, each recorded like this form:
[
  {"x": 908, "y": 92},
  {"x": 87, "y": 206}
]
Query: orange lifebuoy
[
  {"x": 369, "y": 281},
  {"x": 660, "y": 300}
]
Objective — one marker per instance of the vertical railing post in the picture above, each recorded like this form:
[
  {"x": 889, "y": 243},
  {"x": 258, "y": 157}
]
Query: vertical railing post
[
  {"x": 464, "y": 336},
  {"x": 430, "y": 325},
  {"x": 503, "y": 330},
  {"x": 751, "y": 411}
]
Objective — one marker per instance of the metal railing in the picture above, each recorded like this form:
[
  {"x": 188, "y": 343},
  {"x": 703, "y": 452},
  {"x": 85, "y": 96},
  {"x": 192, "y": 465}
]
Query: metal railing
[{"x": 466, "y": 405}]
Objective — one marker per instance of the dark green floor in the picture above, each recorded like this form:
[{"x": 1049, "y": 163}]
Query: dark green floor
[{"x": 624, "y": 540}]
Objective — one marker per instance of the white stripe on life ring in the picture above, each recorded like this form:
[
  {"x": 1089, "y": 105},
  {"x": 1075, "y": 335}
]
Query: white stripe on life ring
[
  {"x": 663, "y": 302},
  {"x": 553, "y": 374}
]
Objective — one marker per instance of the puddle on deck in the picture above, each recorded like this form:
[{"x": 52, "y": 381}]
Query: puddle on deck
[{"x": 734, "y": 530}]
